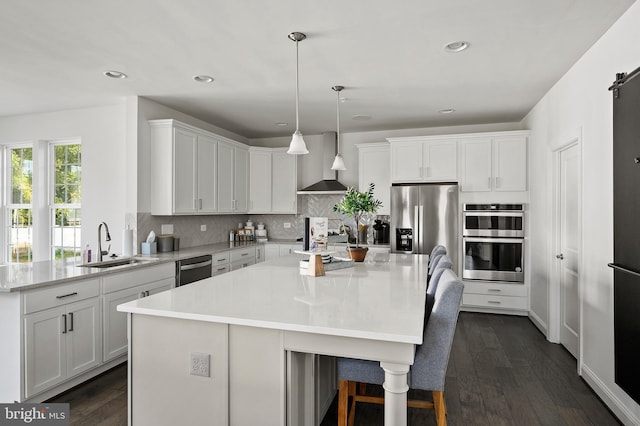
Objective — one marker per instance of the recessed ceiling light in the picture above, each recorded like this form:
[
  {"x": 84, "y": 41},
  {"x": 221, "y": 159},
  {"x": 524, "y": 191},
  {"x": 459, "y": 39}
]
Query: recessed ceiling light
[
  {"x": 447, "y": 111},
  {"x": 115, "y": 74},
  {"x": 361, "y": 117},
  {"x": 455, "y": 46},
  {"x": 282, "y": 124},
  {"x": 202, "y": 78}
]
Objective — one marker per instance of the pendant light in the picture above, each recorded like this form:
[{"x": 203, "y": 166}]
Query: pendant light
[
  {"x": 297, "y": 145},
  {"x": 338, "y": 162}
]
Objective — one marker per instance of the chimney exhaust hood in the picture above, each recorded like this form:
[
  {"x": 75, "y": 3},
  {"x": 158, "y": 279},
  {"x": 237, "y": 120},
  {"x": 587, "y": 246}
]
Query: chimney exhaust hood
[{"x": 329, "y": 184}]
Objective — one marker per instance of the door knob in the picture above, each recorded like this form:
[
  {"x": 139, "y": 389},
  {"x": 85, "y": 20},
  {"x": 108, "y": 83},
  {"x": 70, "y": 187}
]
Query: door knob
[{"x": 560, "y": 256}]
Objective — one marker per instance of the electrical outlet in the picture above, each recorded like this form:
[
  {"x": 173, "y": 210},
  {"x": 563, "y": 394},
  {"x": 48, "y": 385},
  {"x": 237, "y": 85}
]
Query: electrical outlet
[
  {"x": 203, "y": 228},
  {"x": 166, "y": 229},
  {"x": 287, "y": 225},
  {"x": 200, "y": 364}
]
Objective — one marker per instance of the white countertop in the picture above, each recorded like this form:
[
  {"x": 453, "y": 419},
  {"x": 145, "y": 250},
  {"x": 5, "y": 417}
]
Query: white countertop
[
  {"x": 382, "y": 298},
  {"x": 28, "y": 276}
]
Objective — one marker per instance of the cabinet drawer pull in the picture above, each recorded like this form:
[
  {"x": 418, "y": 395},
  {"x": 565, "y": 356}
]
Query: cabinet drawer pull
[
  {"x": 495, "y": 290},
  {"x": 223, "y": 259},
  {"x": 495, "y": 302},
  {"x": 244, "y": 254},
  {"x": 75, "y": 293},
  {"x": 222, "y": 269},
  {"x": 71, "y": 321},
  {"x": 64, "y": 318}
]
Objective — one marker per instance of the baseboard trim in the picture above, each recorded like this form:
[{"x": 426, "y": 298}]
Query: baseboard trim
[{"x": 614, "y": 403}]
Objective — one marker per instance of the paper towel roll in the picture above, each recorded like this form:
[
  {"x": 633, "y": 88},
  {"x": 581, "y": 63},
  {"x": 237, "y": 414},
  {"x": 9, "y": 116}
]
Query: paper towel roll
[{"x": 127, "y": 242}]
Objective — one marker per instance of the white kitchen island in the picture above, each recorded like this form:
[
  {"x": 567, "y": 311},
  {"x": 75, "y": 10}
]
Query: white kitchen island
[{"x": 255, "y": 324}]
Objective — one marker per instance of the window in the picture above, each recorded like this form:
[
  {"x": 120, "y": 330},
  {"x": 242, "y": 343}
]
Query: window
[
  {"x": 19, "y": 215},
  {"x": 66, "y": 195}
]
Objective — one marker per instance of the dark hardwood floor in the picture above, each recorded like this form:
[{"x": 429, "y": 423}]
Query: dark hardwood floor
[{"x": 502, "y": 372}]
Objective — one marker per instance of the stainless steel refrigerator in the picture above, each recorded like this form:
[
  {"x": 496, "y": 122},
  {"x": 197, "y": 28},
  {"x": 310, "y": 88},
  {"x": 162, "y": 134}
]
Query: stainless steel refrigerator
[{"x": 424, "y": 215}]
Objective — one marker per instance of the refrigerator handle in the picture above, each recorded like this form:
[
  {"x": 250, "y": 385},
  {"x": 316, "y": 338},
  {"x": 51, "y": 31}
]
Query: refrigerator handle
[
  {"x": 420, "y": 236},
  {"x": 416, "y": 226}
]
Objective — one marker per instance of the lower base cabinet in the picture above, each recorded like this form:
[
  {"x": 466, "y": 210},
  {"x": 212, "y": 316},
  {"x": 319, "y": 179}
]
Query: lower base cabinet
[
  {"x": 61, "y": 343},
  {"x": 498, "y": 297}
]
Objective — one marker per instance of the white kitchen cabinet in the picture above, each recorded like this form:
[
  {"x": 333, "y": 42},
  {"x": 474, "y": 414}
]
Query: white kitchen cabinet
[
  {"x": 271, "y": 251},
  {"x": 260, "y": 253},
  {"x": 284, "y": 182},
  {"x": 423, "y": 159},
  {"x": 494, "y": 162},
  {"x": 495, "y": 297},
  {"x": 259, "y": 181},
  {"x": 241, "y": 258},
  {"x": 183, "y": 177},
  {"x": 125, "y": 287},
  {"x": 272, "y": 181},
  {"x": 232, "y": 178},
  {"x": 61, "y": 343},
  {"x": 373, "y": 167},
  {"x": 287, "y": 249}
]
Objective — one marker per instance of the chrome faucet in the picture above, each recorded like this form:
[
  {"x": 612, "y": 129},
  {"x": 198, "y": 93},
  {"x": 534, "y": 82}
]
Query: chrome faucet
[{"x": 100, "y": 252}]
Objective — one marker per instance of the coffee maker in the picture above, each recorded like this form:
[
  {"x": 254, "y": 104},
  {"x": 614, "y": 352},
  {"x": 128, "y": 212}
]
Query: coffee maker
[{"x": 380, "y": 232}]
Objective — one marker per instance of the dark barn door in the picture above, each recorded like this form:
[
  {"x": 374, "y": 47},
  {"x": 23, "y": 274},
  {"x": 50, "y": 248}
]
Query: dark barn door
[{"x": 626, "y": 231}]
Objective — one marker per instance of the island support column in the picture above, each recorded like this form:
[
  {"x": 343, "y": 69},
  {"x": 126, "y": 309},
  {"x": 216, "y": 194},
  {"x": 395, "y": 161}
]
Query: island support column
[{"x": 395, "y": 393}]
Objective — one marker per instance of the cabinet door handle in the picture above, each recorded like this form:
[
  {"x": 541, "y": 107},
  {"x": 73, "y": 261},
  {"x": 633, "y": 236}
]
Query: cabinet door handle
[
  {"x": 489, "y": 181},
  {"x": 64, "y": 318},
  {"x": 71, "y": 321},
  {"x": 75, "y": 293},
  {"x": 498, "y": 182},
  {"x": 200, "y": 204},
  {"x": 428, "y": 168}
]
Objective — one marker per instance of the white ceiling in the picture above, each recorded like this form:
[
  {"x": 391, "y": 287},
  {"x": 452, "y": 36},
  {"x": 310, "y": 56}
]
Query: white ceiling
[{"x": 388, "y": 55}]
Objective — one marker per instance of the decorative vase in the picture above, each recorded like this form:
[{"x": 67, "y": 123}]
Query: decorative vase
[{"x": 357, "y": 254}]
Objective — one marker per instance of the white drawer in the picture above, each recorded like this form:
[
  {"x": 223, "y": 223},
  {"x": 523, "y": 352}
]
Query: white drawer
[
  {"x": 495, "y": 302},
  {"x": 495, "y": 289},
  {"x": 220, "y": 269},
  {"x": 244, "y": 254},
  {"x": 221, "y": 258},
  {"x": 137, "y": 276},
  {"x": 57, "y": 295},
  {"x": 243, "y": 263}
]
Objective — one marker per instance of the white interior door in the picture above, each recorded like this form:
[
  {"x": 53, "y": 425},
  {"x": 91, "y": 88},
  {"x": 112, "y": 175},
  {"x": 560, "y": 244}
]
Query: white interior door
[{"x": 569, "y": 253}]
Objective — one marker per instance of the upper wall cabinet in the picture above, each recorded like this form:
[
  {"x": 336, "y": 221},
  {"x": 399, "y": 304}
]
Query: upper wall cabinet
[
  {"x": 184, "y": 171},
  {"x": 233, "y": 177},
  {"x": 423, "y": 159},
  {"x": 373, "y": 167},
  {"x": 272, "y": 181},
  {"x": 494, "y": 162}
]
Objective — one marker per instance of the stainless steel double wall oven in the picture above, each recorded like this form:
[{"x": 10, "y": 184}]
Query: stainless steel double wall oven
[{"x": 493, "y": 242}]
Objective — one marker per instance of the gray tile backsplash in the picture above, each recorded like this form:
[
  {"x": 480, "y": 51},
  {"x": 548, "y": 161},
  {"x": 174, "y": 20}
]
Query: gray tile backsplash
[{"x": 218, "y": 226}]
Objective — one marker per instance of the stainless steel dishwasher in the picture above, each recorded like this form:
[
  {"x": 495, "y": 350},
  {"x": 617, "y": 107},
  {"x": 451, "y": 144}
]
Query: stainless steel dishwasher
[{"x": 193, "y": 269}]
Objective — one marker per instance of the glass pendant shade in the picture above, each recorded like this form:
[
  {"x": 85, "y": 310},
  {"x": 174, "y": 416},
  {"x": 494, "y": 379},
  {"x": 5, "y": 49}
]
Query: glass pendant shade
[
  {"x": 338, "y": 163},
  {"x": 297, "y": 145}
]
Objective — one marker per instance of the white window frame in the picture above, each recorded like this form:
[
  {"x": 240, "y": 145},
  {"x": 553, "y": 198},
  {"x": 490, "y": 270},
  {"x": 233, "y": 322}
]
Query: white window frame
[
  {"x": 52, "y": 206},
  {"x": 6, "y": 185}
]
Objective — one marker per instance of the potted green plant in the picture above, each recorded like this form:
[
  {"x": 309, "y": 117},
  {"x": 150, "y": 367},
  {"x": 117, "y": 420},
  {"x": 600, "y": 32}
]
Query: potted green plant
[{"x": 357, "y": 204}]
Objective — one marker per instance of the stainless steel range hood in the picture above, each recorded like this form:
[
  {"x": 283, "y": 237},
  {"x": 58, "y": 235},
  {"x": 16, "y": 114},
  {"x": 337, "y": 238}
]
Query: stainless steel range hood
[{"x": 329, "y": 183}]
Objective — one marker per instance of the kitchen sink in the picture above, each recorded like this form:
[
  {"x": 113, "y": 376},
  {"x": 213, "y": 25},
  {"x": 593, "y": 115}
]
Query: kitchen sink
[{"x": 117, "y": 262}]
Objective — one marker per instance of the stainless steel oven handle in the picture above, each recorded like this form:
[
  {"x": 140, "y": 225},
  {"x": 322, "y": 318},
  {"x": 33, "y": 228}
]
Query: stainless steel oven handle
[
  {"x": 493, "y": 240},
  {"x": 195, "y": 265},
  {"x": 494, "y": 213}
]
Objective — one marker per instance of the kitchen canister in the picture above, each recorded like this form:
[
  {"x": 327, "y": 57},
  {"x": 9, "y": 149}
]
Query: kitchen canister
[{"x": 165, "y": 243}]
